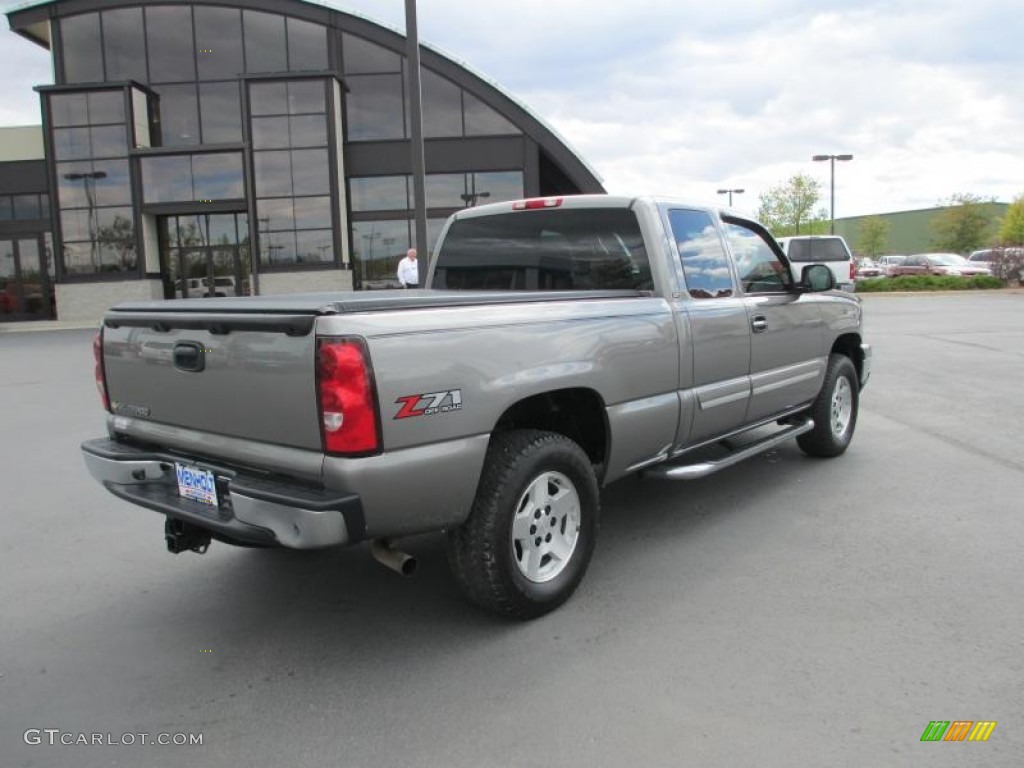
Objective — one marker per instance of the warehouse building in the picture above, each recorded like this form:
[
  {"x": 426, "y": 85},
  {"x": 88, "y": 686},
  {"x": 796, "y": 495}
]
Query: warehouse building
[{"x": 241, "y": 147}]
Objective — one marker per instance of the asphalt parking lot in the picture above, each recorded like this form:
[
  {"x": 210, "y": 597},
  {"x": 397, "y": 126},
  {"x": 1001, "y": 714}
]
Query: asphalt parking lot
[{"x": 787, "y": 612}]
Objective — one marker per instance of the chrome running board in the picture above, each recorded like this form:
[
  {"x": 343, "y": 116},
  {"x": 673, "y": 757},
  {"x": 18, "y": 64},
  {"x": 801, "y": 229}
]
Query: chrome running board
[{"x": 705, "y": 468}]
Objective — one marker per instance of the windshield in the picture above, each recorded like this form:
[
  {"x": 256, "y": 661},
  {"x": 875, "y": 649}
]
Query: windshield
[
  {"x": 818, "y": 249},
  {"x": 544, "y": 250}
]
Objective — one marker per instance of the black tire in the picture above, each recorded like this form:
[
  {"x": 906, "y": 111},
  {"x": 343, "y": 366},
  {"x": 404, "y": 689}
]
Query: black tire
[
  {"x": 484, "y": 554},
  {"x": 827, "y": 439}
]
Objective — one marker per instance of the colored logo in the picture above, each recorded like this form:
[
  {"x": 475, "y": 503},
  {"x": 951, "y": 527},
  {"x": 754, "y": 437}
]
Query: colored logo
[
  {"x": 429, "y": 403},
  {"x": 958, "y": 730}
]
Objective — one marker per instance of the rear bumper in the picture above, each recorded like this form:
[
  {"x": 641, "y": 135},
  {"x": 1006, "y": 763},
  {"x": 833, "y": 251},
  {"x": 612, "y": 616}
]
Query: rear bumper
[{"x": 252, "y": 509}]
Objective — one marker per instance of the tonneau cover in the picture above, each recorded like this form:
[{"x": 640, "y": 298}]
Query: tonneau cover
[{"x": 346, "y": 302}]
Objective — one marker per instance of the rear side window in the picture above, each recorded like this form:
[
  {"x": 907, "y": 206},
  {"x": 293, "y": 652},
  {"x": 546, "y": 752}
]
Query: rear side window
[
  {"x": 705, "y": 266},
  {"x": 818, "y": 250},
  {"x": 545, "y": 250}
]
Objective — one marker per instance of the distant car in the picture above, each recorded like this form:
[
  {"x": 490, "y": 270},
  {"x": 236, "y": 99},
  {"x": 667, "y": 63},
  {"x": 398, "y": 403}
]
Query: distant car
[
  {"x": 830, "y": 250},
  {"x": 868, "y": 268},
  {"x": 886, "y": 263},
  {"x": 1004, "y": 263},
  {"x": 951, "y": 264},
  {"x": 982, "y": 258},
  {"x": 198, "y": 287}
]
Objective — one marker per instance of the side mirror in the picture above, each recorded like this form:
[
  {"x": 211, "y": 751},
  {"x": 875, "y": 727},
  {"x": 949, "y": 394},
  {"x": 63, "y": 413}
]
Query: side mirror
[{"x": 816, "y": 278}]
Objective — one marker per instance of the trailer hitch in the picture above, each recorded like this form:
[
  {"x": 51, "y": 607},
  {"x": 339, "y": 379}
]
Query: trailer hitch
[{"x": 183, "y": 537}]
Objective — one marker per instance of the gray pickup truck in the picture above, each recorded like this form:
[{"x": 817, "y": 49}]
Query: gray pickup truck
[{"x": 563, "y": 344}]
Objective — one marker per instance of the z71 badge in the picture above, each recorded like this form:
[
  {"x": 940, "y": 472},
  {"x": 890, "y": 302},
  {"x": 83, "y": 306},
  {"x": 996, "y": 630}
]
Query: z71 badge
[{"x": 429, "y": 403}]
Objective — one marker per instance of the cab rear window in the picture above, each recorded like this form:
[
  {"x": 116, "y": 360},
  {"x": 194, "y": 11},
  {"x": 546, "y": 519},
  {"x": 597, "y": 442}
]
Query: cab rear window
[
  {"x": 545, "y": 250},
  {"x": 818, "y": 250}
]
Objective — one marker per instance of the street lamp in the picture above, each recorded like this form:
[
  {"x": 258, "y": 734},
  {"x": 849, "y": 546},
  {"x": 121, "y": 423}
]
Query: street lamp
[
  {"x": 730, "y": 193},
  {"x": 832, "y": 195}
]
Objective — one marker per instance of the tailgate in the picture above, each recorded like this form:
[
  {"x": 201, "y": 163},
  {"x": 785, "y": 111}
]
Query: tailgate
[{"x": 245, "y": 375}]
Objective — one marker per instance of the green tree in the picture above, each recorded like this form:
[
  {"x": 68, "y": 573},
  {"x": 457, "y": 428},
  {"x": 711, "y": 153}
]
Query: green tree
[
  {"x": 874, "y": 236},
  {"x": 1011, "y": 231},
  {"x": 788, "y": 208},
  {"x": 964, "y": 226}
]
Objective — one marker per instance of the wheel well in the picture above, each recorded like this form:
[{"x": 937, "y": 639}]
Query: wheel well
[
  {"x": 578, "y": 414},
  {"x": 849, "y": 344}
]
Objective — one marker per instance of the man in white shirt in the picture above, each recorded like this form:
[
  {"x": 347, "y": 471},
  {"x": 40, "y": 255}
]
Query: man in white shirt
[{"x": 408, "y": 270}]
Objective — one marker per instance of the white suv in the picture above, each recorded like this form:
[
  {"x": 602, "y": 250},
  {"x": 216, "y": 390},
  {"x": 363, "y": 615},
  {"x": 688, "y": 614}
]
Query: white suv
[{"x": 830, "y": 250}]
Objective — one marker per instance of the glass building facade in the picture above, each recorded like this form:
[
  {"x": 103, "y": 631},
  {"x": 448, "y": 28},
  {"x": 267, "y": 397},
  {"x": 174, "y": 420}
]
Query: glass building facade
[{"x": 220, "y": 149}]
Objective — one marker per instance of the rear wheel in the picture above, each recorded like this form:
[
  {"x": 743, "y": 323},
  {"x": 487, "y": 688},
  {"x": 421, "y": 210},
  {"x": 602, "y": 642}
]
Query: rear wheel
[
  {"x": 834, "y": 411},
  {"x": 531, "y": 532}
]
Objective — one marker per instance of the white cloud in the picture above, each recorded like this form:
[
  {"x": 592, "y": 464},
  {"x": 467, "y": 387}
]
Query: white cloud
[{"x": 672, "y": 98}]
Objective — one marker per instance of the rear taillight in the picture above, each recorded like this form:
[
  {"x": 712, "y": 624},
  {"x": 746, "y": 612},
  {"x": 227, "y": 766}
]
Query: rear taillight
[
  {"x": 344, "y": 383},
  {"x": 101, "y": 380},
  {"x": 853, "y": 271},
  {"x": 537, "y": 203}
]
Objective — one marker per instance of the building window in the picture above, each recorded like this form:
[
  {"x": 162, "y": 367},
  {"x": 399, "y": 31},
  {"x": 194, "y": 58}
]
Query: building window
[
  {"x": 307, "y": 46},
  {"x": 481, "y": 120},
  {"x": 465, "y": 190},
  {"x": 375, "y": 107},
  {"x": 178, "y": 115},
  {"x": 442, "y": 106},
  {"x": 265, "y": 49},
  {"x": 172, "y": 55},
  {"x": 17, "y": 207},
  {"x": 82, "y": 49},
  {"x": 124, "y": 44},
  {"x": 218, "y": 42},
  {"x": 221, "y": 110},
  {"x": 379, "y": 193},
  {"x": 90, "y": 141},
  {"x": 192, "y": 178},
  {"x": 378, "y": 246},
  {"x": 292, "y": 171},
  {"x": 361, "y": 57}
]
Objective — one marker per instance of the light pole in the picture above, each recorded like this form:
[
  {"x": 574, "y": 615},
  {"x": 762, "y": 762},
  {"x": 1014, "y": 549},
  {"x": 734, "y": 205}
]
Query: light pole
[
  {"x": 730, "y": 193},
  {"x": 832, "y": 184},
  {"x": 419, "y": 163}
]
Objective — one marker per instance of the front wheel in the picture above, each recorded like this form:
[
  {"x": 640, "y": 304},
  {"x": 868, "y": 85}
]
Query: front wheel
[
  {"x": 834, "y": 411},
  {"x": 531, "y": 532}
]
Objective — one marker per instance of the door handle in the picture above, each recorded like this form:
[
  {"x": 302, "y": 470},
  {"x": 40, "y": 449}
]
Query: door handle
[
  {"x": 188, "y": 356},
  {"x": 759, "y": 324}
]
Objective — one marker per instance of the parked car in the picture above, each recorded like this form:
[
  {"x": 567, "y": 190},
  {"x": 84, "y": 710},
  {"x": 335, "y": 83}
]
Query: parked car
[
  {"x": 951, "y": 264},
  {"x": 198, "y": 287},
  {"x": 830, "y": 250},
  {"x": 1005, "y": 263},
  {"x": 640, "y": 331},
  {"x": 867, "y": 268},
  {"x": 888, "y": 262}
]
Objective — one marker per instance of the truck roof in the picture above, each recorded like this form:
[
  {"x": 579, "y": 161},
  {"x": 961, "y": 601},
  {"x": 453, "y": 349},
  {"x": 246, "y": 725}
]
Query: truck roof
[{"x": 591, "y": 201}]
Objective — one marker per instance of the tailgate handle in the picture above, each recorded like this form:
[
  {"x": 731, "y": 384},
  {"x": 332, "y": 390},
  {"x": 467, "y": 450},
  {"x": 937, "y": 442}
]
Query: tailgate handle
[{"x": 189, "y": 356}]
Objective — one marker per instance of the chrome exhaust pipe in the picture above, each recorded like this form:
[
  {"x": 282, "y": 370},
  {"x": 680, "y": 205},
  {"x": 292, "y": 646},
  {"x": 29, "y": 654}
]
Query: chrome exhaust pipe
[{"x": 400, "y": 562}]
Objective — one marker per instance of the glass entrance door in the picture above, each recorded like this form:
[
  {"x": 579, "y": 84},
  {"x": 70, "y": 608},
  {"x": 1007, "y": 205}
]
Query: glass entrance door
[
  {"x": 25, "y": 292},
  {"x": 205, "y": 255}
]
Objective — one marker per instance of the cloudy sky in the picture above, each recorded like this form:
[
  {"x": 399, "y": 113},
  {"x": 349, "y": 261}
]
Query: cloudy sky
[{"x": 682, "y": 98}]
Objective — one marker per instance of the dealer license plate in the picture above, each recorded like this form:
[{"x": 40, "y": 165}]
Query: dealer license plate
[{"x": 196, "y": 484}]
